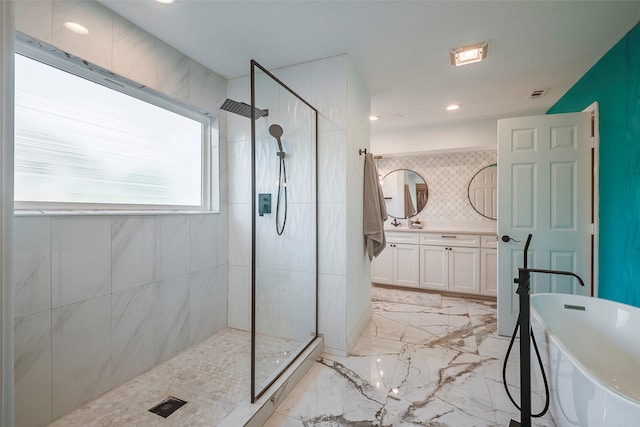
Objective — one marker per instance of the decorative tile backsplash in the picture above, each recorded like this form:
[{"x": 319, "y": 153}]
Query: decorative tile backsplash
[{"x": 447, "y": 176}]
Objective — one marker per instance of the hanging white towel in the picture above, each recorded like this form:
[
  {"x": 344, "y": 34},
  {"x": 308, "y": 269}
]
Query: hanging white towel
[{"x": 374, "y": 209}]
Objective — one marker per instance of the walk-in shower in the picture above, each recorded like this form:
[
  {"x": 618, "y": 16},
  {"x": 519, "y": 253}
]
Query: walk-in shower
[{"x": 284, "y": 263}]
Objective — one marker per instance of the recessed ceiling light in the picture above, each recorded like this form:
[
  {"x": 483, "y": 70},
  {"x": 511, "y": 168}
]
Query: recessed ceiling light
[
  {"x": 76, "y": 28},
  {"x": 469, "y": 54},
  {"x": 374, "y": 118},
  {"x": 453, "y": 107},
  {"x": 166, "y": 1}
]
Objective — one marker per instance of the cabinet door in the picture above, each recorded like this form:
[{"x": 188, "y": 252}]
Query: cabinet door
[
  {"x": 407, "y": 265},
  {"x": 464, "y": 270},
  {"x": 489, "y": 272},
  {"x": 382, "y": 267},
  {"x": 434, "y": 270}
]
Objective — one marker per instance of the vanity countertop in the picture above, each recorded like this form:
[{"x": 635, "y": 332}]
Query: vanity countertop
[{"x": 405, "y": 229}]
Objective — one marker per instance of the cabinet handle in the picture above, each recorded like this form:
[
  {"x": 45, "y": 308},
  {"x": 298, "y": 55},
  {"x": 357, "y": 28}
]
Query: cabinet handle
[{"x": 449, "y": 237}]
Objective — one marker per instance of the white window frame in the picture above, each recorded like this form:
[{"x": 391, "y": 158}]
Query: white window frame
[{"x": 53, "y": 57}]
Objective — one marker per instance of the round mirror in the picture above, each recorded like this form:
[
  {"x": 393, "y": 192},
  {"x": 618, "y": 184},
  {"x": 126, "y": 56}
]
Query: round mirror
[
  {"x": 483, "y": 191},
  {"x": 405, "y": 193}
]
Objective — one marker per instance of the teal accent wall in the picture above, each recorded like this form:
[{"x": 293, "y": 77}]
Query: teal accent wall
[{"x": 614, "y": 82}]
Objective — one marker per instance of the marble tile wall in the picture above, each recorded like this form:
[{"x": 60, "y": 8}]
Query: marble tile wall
[
  {"x": 103, "y": 310},
  {"x": 95, "y": 296},
  {"x": 358, "y": 265},
  {"x": 117, "y": 45},
  {"x": 285, "y": 264}
]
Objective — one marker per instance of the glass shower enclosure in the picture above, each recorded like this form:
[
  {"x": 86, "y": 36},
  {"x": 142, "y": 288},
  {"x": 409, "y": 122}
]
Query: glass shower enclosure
[{"x": 284, "y": 283}]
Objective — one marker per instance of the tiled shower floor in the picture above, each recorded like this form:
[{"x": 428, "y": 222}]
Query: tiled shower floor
[{"x": 213, "y": 377}]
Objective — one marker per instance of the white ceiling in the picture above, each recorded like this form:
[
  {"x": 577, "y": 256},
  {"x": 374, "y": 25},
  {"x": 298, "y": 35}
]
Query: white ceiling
[{"x": 401, "y": 48}]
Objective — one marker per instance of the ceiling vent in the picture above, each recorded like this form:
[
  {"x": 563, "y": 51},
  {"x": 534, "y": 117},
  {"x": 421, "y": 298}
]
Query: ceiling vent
[{"x": 538, "y": 93}]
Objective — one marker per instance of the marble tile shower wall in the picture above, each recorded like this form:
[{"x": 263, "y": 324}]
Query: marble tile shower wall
[
  {"x": 100, "y": 300},
  {"x": 282, "y": 264},
  {"x": 118, "y": 45},
  {"x": 285, "y": 265},
  {"x": 447, "y": 176}
]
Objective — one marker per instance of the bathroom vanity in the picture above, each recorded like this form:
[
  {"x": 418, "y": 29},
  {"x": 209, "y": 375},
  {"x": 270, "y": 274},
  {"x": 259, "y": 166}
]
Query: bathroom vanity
[{"x": 443, "y": 260}]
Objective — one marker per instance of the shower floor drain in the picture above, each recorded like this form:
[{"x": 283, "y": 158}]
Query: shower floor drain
[{"x": 167, "y": 406}]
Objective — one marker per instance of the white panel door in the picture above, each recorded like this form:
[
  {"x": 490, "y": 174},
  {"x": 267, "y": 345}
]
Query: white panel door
[
  {"x": 544, "y": 188},
  {"x": 407, "y": 265}
]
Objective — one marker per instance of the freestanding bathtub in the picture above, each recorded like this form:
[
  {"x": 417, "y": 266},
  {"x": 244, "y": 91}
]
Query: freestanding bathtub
[{"x": 591, "y": 351}]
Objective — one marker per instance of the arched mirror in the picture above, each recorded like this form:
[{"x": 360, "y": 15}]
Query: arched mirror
[
  {"x": 483, "y": 191},
  {"x": 405, "y": 193}
]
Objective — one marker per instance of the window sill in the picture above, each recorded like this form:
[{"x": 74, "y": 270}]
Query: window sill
[{"x": 109, "y": 212}]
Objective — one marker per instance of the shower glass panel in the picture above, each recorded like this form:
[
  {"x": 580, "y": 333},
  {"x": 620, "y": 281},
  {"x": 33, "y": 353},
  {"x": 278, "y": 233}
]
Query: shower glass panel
[{"x": 284, "y": 277}]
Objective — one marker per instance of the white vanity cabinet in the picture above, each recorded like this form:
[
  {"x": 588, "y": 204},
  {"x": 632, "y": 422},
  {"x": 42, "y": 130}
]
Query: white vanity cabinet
[
  {"x": 398, "y": 264},
  {"x": 489, "y": 265},
  {"x": 453, "y": 262},
  {"x": 450, "y": 262},
  {"x": 434, "y": 267}
]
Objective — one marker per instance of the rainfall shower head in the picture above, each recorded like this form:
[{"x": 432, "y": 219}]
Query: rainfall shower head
[
  {"x": 276, "y": 132},
  {"x": 242, "y": 109}
]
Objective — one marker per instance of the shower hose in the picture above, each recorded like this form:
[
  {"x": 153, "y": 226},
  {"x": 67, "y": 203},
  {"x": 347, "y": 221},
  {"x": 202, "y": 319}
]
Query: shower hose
[
  {"x": 282, "y": 183},
  {"x": 544, "y": 376}
]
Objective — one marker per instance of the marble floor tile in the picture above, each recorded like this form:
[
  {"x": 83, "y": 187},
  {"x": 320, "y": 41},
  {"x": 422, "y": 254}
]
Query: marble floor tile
[{"x": 423, "y": 360}]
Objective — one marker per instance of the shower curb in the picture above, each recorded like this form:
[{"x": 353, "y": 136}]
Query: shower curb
[{"x": 257, "y": 414}]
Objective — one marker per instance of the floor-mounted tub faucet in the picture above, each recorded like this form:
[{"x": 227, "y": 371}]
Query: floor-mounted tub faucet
[{"x": 523, "y": 279}]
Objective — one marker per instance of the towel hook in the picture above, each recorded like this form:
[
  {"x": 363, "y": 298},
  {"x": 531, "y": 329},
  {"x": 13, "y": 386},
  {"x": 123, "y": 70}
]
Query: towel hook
[{"x": 362, "y": 151}]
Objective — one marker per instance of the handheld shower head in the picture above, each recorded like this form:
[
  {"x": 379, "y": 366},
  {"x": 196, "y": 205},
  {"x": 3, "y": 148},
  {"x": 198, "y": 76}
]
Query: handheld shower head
[{"x": 276, "y": 132}]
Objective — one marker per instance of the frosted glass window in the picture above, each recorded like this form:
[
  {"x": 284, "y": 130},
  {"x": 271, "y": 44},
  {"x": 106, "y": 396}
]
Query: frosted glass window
[{"x": 77, "y": 141}]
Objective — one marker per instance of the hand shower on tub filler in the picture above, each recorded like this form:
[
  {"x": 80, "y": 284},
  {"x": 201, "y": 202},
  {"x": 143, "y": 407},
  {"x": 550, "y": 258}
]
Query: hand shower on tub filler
[
  {"x": 523, "y": 323},
  {"x": 276, "y": 131}
]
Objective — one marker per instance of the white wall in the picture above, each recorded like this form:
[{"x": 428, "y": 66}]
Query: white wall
[
  {"x": 333, "y": 87},
  {"x": 470, "y": 135},
  {"x": 100, "y": 299},
  {"x": 358, "y": 302}
]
